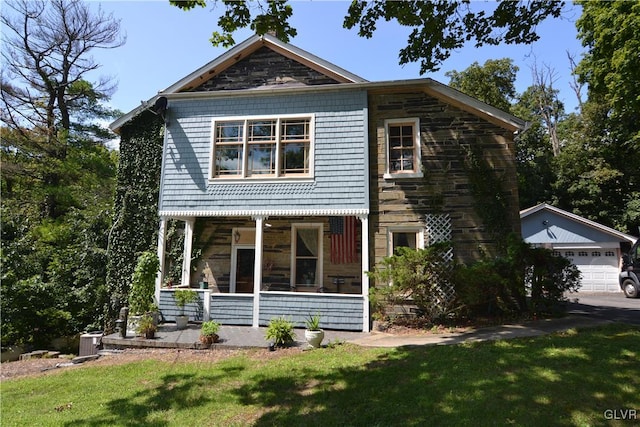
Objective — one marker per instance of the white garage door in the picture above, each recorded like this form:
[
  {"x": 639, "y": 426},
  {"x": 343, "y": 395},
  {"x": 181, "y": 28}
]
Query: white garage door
[{"x": 599, "y": 268}]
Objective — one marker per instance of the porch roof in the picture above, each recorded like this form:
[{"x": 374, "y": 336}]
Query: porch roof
[{"x": 264, "y": 213}]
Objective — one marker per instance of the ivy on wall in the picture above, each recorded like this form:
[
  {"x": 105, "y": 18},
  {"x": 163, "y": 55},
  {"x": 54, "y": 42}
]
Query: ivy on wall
[
  {"x": 491, "y": 203},
  {"x": 135, "y": 222}
]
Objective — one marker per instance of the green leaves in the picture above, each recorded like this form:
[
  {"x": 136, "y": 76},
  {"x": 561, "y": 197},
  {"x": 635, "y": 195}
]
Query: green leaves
[
  {"x": 280, "y": 331},
  {"x": 143, "y": 283},
  {"x": 440, "y": 27},
  {"x": 493, "y": 82}
]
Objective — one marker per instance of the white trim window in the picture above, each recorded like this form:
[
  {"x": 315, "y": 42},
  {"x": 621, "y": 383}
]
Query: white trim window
[
  {"x": 410, "y": 237},
  {"x": 306, "y": 254},
  {"x": 262, "y": 147},
  {"x": 402, "y": 138}
]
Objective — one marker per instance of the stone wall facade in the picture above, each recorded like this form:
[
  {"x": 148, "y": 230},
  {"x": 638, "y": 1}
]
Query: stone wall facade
[{"x": 447, "y": 134}]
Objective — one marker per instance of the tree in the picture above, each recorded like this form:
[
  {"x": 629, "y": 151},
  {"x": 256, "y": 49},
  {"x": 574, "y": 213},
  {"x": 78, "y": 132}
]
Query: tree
[
  {"x": 493, "y": 82},
  {"x": 43, "y": 85},
  {"x": 600, "y": 175},
  {"x": 57, "y": 175},
  {"x": 611, "y": 66},
  {"x": 438, "y": 27}
]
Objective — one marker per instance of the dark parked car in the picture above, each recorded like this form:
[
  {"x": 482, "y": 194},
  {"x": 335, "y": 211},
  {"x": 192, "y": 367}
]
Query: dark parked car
[{"x": 629, "y": 280}]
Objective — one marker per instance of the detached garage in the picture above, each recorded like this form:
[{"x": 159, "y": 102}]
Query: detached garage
[{"x": 594, "y": 248}]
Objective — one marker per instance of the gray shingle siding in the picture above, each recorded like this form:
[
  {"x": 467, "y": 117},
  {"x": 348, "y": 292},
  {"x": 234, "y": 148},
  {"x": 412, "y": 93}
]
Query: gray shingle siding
[
  {"x": 339, "y": 155},
  {"x": 169, "y": 310},
  {"x": 336, "y": 312},
  {"x": 232, "y": 310}
]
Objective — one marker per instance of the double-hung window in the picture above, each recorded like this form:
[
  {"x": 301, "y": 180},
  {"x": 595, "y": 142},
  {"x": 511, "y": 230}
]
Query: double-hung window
[
  {"x": 403, "y": 148},
  {"x": 306, "y": 249},
  {"x": 271, "y": 147}
]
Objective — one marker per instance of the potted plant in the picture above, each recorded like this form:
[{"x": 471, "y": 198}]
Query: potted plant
[
  {"x": 147, "y": 327},
  {"x": 143, "y": 283},
  {"x": 209, "y": 333},
  {"x": 280, "y": 331},
  {"x": 313, "y": 334},
  {"x": 183, "y": 297}
]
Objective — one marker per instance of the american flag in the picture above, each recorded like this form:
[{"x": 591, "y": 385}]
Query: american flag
[{"x": 344, "y": 247}]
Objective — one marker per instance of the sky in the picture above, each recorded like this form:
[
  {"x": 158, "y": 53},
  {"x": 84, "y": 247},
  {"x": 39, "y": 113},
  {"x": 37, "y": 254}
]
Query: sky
[{"x": 164, "y": 44}]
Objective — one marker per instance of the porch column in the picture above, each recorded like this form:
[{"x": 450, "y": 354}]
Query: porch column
[
  {"x": 257, "y": 270},
  {"x": 186, "y": 258},
  {"x": 364, "y": 220},
  {"x": 162, "y": 231}
]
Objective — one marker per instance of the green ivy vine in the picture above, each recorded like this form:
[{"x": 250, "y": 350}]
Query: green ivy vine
[
  {"x": 135, "y": 222},
  {"x": 491, "y": 203}
]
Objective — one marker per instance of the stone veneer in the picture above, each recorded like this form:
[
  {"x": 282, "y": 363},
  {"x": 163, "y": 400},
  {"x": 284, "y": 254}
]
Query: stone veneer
[
  {"x": 264, "y": 67},
  {"x": 444, "y": 132}
]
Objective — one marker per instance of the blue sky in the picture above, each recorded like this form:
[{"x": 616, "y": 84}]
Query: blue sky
[{"x": 165, "y": 44}]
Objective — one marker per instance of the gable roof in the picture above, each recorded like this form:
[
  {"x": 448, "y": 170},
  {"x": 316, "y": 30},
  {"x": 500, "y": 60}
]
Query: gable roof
[
  {"x": 182, "y": 88},
  {"x": 578, "y": 219},
  {"x": 249, "y": 46}
]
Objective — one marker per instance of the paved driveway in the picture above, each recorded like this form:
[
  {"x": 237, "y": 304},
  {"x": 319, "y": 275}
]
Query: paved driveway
[{"x": 610, "y": 306}]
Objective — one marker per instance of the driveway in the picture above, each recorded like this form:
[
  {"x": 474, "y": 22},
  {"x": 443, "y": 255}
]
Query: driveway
[{"x": 609, "y": 306}]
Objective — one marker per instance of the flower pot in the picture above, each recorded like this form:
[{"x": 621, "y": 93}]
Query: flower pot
[
  {"x": 207, "y": 340},
  {"x": 150, "y": 334},
  {"x": 132, "y": 325},
  {"x": 314, "y": 338},
  {"x": 181, "y": 322}
]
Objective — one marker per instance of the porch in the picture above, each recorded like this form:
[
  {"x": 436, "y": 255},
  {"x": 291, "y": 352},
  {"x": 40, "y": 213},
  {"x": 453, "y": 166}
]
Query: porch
[
  {"x": 168, "y": 336},
  {"x": 337, "y": 311},
  {"x": 252, "y": 269}
]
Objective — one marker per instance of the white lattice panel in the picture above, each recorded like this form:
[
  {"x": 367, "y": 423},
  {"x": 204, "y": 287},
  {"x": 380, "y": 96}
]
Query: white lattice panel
[{"x": 438, "y": 227}]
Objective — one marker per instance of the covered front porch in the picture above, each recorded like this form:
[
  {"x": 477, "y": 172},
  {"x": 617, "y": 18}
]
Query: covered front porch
[{"x": 250, "y": 269}]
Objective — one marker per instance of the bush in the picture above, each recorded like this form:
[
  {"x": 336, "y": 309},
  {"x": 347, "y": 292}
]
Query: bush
[
  {"x": 210, "y": 328},
  {"x": 421, "y": 277},
  {"x": 182, "y": 297},
  {"x": 143, "y": 284},
  {"x": 547, "y": 278},
  {"x": 280, "y": 331},
  {"x": 500, "y": 286}
]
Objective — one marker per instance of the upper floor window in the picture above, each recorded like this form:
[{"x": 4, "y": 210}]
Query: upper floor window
[
  {"x": 271, "y": 147},
  {"x": 403, "y": 148}
]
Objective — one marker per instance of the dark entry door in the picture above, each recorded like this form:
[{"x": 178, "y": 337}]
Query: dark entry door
[{"x": 244, "y": 270}]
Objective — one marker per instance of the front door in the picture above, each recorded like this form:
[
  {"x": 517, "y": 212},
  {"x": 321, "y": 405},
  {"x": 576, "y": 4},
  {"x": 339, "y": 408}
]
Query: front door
[{"x": 245, "y": 260}]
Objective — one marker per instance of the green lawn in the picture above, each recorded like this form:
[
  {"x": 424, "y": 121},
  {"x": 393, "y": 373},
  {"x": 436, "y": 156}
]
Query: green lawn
[{"x": 568, "y": 379}]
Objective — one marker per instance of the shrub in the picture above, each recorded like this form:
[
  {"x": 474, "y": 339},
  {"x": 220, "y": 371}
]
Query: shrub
[
  {"x": 143, "y": 283},
  {"x": 547, "y": 278},
  {"x": 499, "y": 286},
  {"x": 183, "y": 297},
  {"x": 280, "y": 331},
  {"x": 210, "y": 328},
  {"x": 420, "y": 276}
]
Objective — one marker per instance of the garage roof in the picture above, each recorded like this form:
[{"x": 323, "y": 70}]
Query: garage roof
[{"x": 544, "y": 223}]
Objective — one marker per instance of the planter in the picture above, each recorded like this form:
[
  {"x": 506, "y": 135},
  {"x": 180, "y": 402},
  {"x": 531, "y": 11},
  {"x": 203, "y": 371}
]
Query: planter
[
  {"x": 150, "y": 335},
  {"x": 155, "y": 315},
  {"x": 314, "y": 338},
  {"x": 132, "y": 325},
  {"x": 207, "y": 340},
  {"x": 181, "y": 322},
  {"x": 11, "y": 354}
]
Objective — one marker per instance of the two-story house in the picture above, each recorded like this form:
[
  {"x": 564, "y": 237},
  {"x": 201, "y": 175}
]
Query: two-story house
[{"x": 301, "y": 175}]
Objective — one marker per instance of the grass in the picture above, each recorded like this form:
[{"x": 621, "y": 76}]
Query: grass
[{"x": 567, "y": 379}]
